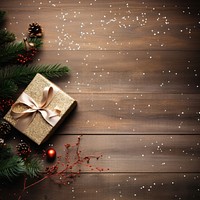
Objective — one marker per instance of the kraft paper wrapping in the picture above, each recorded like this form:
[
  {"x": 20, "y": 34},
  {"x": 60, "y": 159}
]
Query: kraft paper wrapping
[{"x": 39, "y": 130}]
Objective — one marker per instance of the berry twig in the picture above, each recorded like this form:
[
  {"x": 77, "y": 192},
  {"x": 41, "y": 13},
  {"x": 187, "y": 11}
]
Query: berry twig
[{"x": 65, "y": 170}]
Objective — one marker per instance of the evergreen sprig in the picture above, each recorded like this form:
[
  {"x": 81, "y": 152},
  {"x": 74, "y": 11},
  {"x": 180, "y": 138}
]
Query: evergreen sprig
[
  {"x": 11, "y": 165},
  {"x": 24, "y": 74},
  {"x": 12, "y": 77},
  {"x": 33, "y": 167},
  {"x": 11, "y": 168},
  {"x": 7, "y": 88},
  {"x": 10, "y": 52},
  {"x": 6, "y": 37}
]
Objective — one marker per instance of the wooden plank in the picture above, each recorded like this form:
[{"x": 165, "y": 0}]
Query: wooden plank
[
  {"x": 134, "y": 153},
  {"x": 139, "y": 186},
  {"x": 162, "y": 4},
  {"x": 109, "y": 26},
  {"x": 133, "y": 114},
  {"x": 128, "y": 71}
]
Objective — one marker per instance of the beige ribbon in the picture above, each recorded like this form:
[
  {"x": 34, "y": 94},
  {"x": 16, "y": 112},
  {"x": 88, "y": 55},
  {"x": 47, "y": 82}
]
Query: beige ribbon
[{"x": 25, "y": 117}]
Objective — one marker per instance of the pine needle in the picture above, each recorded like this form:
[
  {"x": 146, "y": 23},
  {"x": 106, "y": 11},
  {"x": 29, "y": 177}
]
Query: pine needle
[
  {"x": 24, "y": 74},
  {"x": 10, "y": 52},
  {"x": 6, "y": 37},
  {"x": 8, "y": 88},
  {"x": 33, "y": 167},
  {"x": 11, "y": 167},
  {"x": 12, "y": 77}
]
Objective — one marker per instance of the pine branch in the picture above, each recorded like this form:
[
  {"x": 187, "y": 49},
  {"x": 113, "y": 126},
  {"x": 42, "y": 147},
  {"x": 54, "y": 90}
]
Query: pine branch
[
  {"x": 12, "y": 77},
  {"x": 6, "y": 37},
  {"x": 8, "y": 88},
  {"x": 24, "y": 74},
  {"x": 10, "y": 52},
  {"x": 5, "y": 153},
  {"x": 33, "y": 167},
  {"x": 11, "y": 167}
]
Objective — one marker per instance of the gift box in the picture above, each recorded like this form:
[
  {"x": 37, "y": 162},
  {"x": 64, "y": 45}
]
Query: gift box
[{"x": 40, "y": 109}]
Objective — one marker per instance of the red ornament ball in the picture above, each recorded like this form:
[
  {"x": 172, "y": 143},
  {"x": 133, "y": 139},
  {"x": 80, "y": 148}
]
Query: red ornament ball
[{"x": 51, "y": 154}]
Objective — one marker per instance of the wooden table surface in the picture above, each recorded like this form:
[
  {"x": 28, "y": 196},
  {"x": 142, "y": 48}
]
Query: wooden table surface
[{"x": 134, "y": 71}]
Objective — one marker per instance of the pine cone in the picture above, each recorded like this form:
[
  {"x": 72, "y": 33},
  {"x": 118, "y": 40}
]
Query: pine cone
[
  {"x": 23, "y": 149},
  {"x": 35, "y": 30},
  {"x": 5, "y": 128}
]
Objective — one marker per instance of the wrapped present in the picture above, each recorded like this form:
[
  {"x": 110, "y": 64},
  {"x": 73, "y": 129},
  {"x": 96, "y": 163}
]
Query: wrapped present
[{"x": 40, "y": 109}]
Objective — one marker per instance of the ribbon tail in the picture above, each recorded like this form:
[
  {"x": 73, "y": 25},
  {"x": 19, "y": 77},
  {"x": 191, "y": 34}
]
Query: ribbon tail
[
  {"x": 50, "y": 117},
  {"x": 25, "y": 121}
]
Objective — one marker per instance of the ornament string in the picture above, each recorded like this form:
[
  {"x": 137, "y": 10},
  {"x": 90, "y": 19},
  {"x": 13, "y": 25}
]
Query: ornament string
[{"x": 25, "y": 117}]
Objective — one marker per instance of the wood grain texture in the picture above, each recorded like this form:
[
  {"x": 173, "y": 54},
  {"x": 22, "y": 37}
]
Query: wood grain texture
[
  {"x": 140, "y": 186},
  {"x": 134, "y": 70},
  {"x": 103, "y": 25},
  {"x": 137, "y": 153},
  {"x": 128, "y": 71},
  {"x": 133, "y": 114}
]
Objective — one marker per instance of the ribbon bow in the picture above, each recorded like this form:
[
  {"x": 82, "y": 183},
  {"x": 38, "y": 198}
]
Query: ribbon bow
[{"x": 25, "y": 117}]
